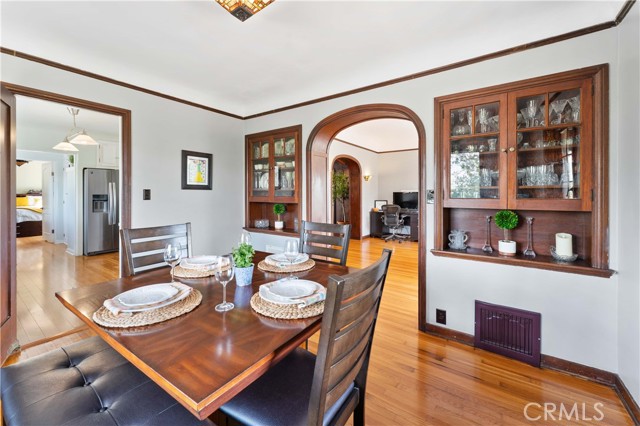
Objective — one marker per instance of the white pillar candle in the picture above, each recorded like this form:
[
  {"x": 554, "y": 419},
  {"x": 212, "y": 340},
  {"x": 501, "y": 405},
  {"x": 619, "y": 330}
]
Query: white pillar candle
[{"x": 564, "y": 244}]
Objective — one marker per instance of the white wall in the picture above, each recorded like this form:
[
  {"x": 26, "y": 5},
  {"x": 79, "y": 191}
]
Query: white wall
[
  {"x": 28, "y": 177},
  {"x": 580, "y": 321},
  {"x": 160, "y": 130},
  {"x": 369, "y": 190},
  {"x": 628, "y": 159},
  {"x": 397, "y": 171}
]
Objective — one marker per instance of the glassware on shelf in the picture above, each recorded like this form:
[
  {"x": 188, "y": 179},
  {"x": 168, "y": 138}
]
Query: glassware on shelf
[
  {"x": 483, "y": 119},
  {"x": 529, "y": 250},
  {"x": 487, "y": 240},
  {"x": 532, "y": 111}
]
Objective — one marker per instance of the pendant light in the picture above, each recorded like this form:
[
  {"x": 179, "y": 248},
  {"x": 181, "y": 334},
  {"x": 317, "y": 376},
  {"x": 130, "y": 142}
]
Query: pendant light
[
  {"x": 65, "y": 145},
  {"x": 78, "y": 135}
]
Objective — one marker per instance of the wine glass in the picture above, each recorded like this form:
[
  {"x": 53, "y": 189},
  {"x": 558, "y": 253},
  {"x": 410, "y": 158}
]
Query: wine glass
[
  {"x": 245, "y": 238},
  {"x": 532, "y": 110},
  {"x": 172, "y": 255},
  {"x": 291, "y": 250},
  {"x": 224, "y": 274}
]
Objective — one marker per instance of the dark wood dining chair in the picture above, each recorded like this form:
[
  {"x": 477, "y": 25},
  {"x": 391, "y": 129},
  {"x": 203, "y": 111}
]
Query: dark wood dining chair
[
  {"x": 325, "y": 241},
  {"x": 144, "y": 247},
  {"x": 324, "y": 389}
]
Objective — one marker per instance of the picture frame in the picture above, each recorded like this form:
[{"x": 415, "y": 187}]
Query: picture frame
[
  {"x": 377, "y": 204},
  {"x": 197, "y": 168}
]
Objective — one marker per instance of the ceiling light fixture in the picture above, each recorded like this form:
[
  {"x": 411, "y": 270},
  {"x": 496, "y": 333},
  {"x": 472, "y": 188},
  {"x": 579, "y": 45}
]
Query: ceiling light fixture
[
  {"x": 78, "y": 135},
  {"x": 244, "y": 9},
  {"x": 65, "y": 145}
]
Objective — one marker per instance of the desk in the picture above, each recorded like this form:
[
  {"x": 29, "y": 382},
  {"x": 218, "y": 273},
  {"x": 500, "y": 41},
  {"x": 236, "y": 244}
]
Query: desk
[
  {"x": 376, "y": 225},
  {"x": 203, "y": 358}
]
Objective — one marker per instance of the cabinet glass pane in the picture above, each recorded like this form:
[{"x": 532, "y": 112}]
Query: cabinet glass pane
[
  {"x": 461, "y": 120},
  {"x": 531, "y": 111},
  {"x": 278, "y": 147},
  {"x": 487, "y": 119},
  {"x": 260, "y": 168},
  {"x": 564, "y": 107},
  {"x": 474, "y": 164},
  {"x": 549, "y": 164},
  {"x": 285, "y": 179}
]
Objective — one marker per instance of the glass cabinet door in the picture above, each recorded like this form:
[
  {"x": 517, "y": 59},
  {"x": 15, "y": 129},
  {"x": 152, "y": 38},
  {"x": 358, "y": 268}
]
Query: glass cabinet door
[
  {"x": 548, "y": 147},
  {"x": 284, "y": 173},
  {"x": 475, "y": 159},
  {"x": 260, "y": 168}
]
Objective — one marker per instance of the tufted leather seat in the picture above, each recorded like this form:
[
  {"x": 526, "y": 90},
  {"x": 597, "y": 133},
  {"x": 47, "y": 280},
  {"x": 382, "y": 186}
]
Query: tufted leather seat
[{"x": 87, "y": 383}]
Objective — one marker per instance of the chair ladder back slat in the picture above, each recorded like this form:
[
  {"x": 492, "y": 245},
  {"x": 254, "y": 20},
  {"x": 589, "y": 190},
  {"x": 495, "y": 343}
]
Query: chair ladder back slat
[
  {"x": 342, "y": 319},
  {"x": 144, "y": 247},
  {"x": 314, "y": 251},
  {"x": 347, "y": 339},
  {"x": 331, "y": 240},
  {"x": 341, "y": 386}
]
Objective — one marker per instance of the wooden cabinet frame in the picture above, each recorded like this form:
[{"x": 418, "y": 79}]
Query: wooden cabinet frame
[
  {"x": 592, "y": 209},
  {"x": 260, "y": 206}
]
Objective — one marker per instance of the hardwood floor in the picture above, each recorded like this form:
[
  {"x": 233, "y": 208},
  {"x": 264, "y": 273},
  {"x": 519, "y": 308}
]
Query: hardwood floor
[
  {"x": 414, "y": 378},
  {"x": 44, "y": 268}
]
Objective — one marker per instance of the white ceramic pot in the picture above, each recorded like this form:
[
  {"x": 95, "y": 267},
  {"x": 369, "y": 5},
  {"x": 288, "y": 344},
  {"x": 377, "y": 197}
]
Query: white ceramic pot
[
  {"x": 244, "y": 275},
  {"x": 507, "y": 247},
  {"x": 278, "y": 224}
]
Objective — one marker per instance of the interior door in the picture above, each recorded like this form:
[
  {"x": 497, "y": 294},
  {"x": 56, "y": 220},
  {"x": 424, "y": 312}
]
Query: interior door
[
  {"x": 8, "y": 313},
  {"x": 47, "y": 202}
]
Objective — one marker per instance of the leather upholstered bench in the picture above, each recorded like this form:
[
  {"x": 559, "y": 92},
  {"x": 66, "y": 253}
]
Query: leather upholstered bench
[{"x": 87, "y": 383}]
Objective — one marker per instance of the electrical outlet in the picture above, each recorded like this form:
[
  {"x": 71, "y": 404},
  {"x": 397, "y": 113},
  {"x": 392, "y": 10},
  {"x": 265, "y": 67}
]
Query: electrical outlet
[
  {"x": 441, "y": 316},
  {"x": 146, "y": 194}
]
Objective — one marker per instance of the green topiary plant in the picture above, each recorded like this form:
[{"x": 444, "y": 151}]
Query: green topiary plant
[
  {"x": 243, "y": 255},
  {"x": 340, "y": 189},
  {"x": 506, "y": 220},
  {"x": 279, "y": 209}
]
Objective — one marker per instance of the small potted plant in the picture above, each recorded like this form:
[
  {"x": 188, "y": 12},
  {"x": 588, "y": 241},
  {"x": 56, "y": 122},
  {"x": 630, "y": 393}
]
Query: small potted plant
[
  {"x": 243, "y": 260},
  {"x": 279, "y": 210},
  {"x": 506, "y": 220},
  {"x": 340, "y": 190}
]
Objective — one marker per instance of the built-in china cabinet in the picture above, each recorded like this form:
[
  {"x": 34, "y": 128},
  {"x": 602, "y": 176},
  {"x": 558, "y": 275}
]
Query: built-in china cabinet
[
  {"x": 273, "y": 162},
  {"x": 538, "y": 147}
]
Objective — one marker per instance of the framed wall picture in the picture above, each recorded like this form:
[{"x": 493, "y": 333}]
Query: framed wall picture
[
  {"x": 196, "y": 170},
  {"x": 377, "y": 204}
]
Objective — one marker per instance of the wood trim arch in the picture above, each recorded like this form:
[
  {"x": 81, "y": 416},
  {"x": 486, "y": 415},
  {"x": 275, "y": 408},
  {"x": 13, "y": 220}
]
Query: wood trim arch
[
  {"x": 317, "y": 165},
  {"x": 355, "y": 191}
]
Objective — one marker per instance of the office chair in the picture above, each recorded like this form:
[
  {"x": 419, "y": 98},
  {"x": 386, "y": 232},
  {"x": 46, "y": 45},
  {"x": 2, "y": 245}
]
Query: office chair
[{"x": 392, "y": 219}]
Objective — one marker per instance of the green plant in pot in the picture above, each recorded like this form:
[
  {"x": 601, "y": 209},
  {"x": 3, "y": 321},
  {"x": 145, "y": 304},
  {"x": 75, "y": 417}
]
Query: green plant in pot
[
  {"x": 506, "y": 220},
  {"x": 278, "y": 210},
  {"x": 243, "y": 260},
  {"x": 340, "y": 191}
]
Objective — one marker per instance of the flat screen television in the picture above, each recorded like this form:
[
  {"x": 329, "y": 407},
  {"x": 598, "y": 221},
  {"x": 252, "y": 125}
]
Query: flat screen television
[{"x": 406, "y": 200}]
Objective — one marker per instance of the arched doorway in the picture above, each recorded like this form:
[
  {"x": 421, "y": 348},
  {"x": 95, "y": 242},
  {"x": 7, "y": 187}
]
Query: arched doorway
[
  {"x": 317, "y": 168},
  {"x": 353, "y": 205}
]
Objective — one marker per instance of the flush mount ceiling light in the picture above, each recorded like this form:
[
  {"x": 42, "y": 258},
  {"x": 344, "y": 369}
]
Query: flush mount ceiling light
[
  {"x": 78, "y": 135},
  {"x": 65, "y": 145},
  {"x": 244, "y": 9}
]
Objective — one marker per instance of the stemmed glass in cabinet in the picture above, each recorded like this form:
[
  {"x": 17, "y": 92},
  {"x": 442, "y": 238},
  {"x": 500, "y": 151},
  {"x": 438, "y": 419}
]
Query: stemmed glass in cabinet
[{"x": 224, "y": 274}]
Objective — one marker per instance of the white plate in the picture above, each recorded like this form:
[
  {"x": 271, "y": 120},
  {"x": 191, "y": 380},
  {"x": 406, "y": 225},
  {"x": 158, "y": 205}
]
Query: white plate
[
  {"x": 266, "y": 294},
  {"x": 183, "y": 291},
  {"x": 199, "y": 262},
  {"x": 281, "y": 258},
  {"x": 147, "y": 295},
  {"x": 293, "y": 289}
]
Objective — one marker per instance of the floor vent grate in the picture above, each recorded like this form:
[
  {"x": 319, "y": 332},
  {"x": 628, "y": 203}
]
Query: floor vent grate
[{"x": 511, "y": 332}]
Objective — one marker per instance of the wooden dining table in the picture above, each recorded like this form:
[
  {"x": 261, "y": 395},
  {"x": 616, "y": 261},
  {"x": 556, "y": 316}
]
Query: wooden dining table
[{"x": 203, "y": 358}]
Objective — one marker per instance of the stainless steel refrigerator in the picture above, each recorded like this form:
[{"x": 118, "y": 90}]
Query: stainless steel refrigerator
[{"x": 100, "y": 211}]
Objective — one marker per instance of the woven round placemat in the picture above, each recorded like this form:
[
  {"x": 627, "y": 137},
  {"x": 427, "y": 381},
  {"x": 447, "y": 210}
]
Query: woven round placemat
[
  {"x": 276, "y": 310},
  {"x": 106, "y": 318},
  {"x": 181, "y": 272},
  {"x": 299, "y": 267}
]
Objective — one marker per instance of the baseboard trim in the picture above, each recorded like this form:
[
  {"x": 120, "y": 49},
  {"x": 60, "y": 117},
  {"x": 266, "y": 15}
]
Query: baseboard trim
[
  {"x": 627, "y": 400},
  {"x": 585, "y": 372}
]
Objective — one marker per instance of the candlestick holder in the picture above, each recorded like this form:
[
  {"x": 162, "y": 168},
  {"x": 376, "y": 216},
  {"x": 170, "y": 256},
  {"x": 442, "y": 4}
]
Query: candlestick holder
[
  {"x": 487, "y": 241},
  {"x": 529, "y": 250}
]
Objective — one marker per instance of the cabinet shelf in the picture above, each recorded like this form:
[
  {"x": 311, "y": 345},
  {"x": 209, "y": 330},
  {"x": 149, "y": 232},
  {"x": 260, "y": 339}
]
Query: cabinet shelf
[
  {"x": 540, "y": 261},
  {"x": 550, "y": 127},
  {"x": 475, "y": 136},
  {"x": 547, "y": 148}
]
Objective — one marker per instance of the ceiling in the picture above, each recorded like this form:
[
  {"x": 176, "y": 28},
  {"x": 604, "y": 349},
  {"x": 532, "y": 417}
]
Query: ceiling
[
  {"x": 292, "y": 51},
  {"x": 382, "y": 135},
  {"x": 55, "y": 119}
]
